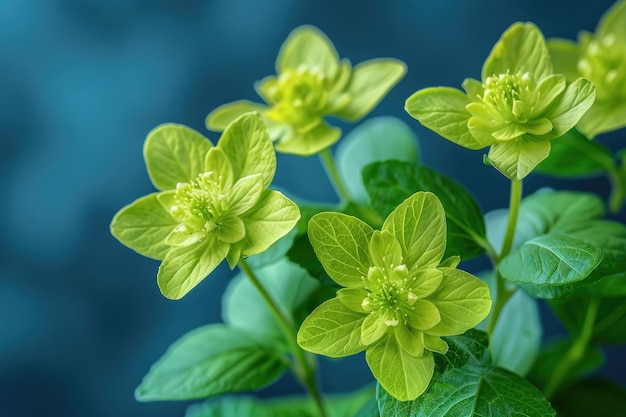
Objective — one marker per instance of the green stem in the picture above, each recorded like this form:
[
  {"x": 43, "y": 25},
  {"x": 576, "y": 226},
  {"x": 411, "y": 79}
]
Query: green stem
[
  {"x": 617, "y": 190},
  {"x": 575, "y": 352},
  {"x": 333, "y": 174},
  {"x": 502, "y": 293},
  {"x": 305, "y": 369}
]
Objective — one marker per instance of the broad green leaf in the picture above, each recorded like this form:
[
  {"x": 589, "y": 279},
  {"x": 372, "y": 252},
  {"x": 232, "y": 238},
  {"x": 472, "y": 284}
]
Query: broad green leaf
[
  {"x": 472, "y": 391},
  {"x": 419, "y": 225},
  {"x": 592, "y": 397},
  {"x": 308, "y": 46},
  {"x": 341, "y": 244},
  {"x": 143, "y": 226},
  {"x": 249, "y": 148},
  {"x": 516, "y": 338},
  {"x": 369, "y": 83},
  {"x": 602, "y": 117},
  {"x": 302, "y": 253},
  {"x": 174, "y": 153},
  {"x": 571, "y": 106},
  {"x": 221, "y": 117},
  {"x": 470, "y": 348},
  {"x": 376, "y": 139},
  {"x": 442, "y": 110},
  {"x": 272, "y": 218},
  {"x": 521, "y": 48},
  {"x": 309, "y": 142},
  {"x": 573, "y": 155},
  {"x": 211, "y": 360},
  {"x": 184, "y": 267},
  {"x": 548, "y": 266},
  {"x": 332, "y": 329},
  {"x": 516, "y": 159},
  {"x": 403, "y": 376},
  {"x": 369, "y": 409},
  {"x": 463, "y": 301},
  {"x": 565, "y": 54},
  {"x": 391, "y": 182},
  {"x": 244, "y": 308}
]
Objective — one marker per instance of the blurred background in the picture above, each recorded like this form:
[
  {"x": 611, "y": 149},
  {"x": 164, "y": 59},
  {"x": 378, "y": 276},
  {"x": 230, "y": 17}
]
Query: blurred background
[{"x": 81, "y": 84}]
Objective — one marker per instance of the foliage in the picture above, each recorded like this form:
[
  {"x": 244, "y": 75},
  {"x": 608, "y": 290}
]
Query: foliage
[{"x": 380, "y": 272}]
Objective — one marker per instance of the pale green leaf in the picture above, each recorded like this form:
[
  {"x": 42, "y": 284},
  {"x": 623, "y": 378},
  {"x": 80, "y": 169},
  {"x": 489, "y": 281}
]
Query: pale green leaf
[
  {"x": 174, "y": 153},
  {"x": 516, "y": 338},
  {"x": 565, "y": 55},
  {"x": 369, "y": 83},
  {"x": 442, "y": 110},
  {"x": 376, "y": 139},
  {"x": 548, "y": 266},
  {"x": 419, "y": 225},
  {"x": 249, "y": 148},
  {"x": 521, "y": 48},
  {"x": 211, "y": 360},
  {"x": 272, "y": 218},
  {"x": 341, "y": 243},
  {"x": 403, "y": 376},
  {"x": 603, "y": 117},
  {"x": 309, "y": 142},
  {"x": 143, "y": 226},
  {"x": 307, "y": 46},
  {"x": 184, "y": 267},
  {"x": 571, "y": 106},
  {"x": 221, "y": 117},
  {"x": 613, "y": 22},
  {"x": 463, "y": 301},
  {"x": 332, "y": 329},
  {"x": 516, "y": 159}
]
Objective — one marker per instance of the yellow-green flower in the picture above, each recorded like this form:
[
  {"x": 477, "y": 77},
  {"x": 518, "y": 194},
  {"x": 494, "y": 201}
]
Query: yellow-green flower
[
  {"x": 213, "y": 204},
  {"x": 398, "y": 299},
  {"x": 312, "y": 83},
  {"x": 517, "y": 109},
  {"x": 601, "y": 57}
]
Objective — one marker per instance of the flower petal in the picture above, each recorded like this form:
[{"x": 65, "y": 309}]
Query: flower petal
[
  {"x": 374, "y": 327},
  {"x": 435, "y": 344},
  {"x": 385, "y": 251},
  {"x": 411, "y": 340},
  {"x": 423, "y": 315},
  {"x": 353, "y": 298},
  {"x": 245, "y": 194},
  {"x": 426, "y": 280},
  {"x": 231, "y": 230},
  {"x": 310, "y": 47}
]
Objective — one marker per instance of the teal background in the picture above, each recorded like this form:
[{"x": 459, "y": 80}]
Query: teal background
[{"x": 81, "y": 84}]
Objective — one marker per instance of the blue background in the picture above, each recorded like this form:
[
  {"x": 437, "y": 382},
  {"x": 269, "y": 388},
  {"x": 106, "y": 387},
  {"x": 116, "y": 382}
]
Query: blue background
[{"x": 81, "y": 84}]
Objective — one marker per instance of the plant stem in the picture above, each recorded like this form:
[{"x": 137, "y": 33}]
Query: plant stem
[
  {"x": 502, "y": 293},
  {"x": 617, "y": 190},
  {"x": 333, "y": 174},
  {"x": 576, "y": 352},
  {"x": 305, "y": 369}
]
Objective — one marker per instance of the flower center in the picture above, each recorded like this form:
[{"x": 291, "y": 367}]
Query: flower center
[
  {"x": 201, "y": 203},
  {"x": 604, "y": 63},
  {"x": 298, "y": 97},
  {"x": 510, "y": 94},
  {"x": 389, "y": 294}
]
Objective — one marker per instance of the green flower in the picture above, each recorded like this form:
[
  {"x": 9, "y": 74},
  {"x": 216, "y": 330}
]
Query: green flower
[
  {"x": 516, "y": 110},
  {"x": 601, "y": 57},
  {"x": 313, "y": 83},
  {"x": 399, "y": 297},
  {"x": 213, "y": 203}
]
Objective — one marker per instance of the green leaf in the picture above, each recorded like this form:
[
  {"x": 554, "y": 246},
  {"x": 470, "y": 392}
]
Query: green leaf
[
  {"x": 462, "y": 300},
  {"x": 469, "y": 348},
  {"x": 249, "y": 148},
  {"x": 565, "y": 55},
  {"x": 369, "y": 83},
  {"x": 517, "y": 158},
  {"x": 272, "y": 218},
  {"x": 244, "y": 308},
  {"x": 419, "y": 225},
  {"x": 442, "y": 110},
  {"x": 521, "y": 48},
  {"x": 610, "y": 325},
  {"x": 275, "y": 252},
  {"x": 308, "y": 46},
  {"x": 302, "y": 253},
  {"x": 143, "y": 226},
  {"x": 602, "y": 117},
  {"x": 184, "y": 267},
  {"x": 221, "y": 117},
  {"x": 228, "y": 407},
  {"x": 613, "y": 22},
  {"x": 174, "y": 153},
  {"x": 403, "y": 376},
  {"x": 573, "y": 155},
  {"x": 592, "y": 397},
  {"x": 391, "y": 182},
  {"x": 472, "y": 391},
  {"x": 341, "y": 244},
  {"x": 208, "y": 361},
  {"x": 516, "y": 338},
  {"x": 548, "y": 266},
  {"x": 377, "y": 139},
  {"x": 332, "y": 329},
  {"x": 369, "y": 409}
]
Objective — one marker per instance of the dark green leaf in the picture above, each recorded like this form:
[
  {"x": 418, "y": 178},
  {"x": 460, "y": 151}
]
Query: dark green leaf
[
  {"x": 211, "y": 360},
  {"x": 610, "y": 325},
  {"x": 228, "y": 407},
  {"x": 302, "y": 253},
  {"x": 592, "y": 397},
  {"x": 391, "y": 182},
  {"x": 573, "y": 155},
  {"x": 470, "y": 348},
  {"x": 369, "y": 409}
]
